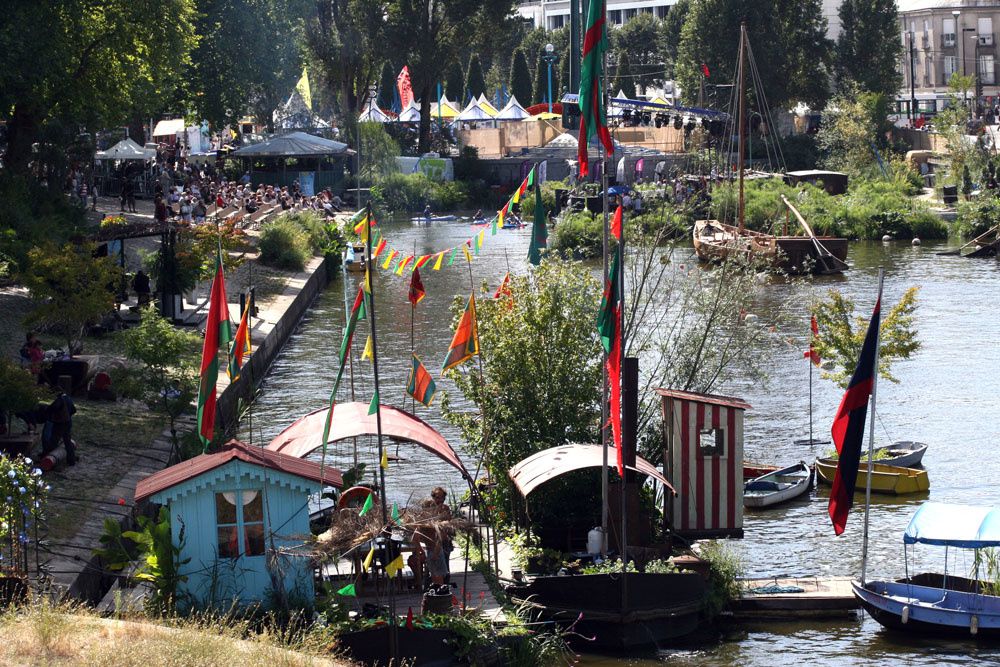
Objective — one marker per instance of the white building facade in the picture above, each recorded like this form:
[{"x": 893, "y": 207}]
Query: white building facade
[
  {"x": 941, "y": 38},
  {"x": 554, "y": 14}
]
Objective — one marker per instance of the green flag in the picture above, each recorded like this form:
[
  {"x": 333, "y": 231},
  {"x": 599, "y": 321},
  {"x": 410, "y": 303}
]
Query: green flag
[
  {"x": 593, "y": 118},
  {"x": 369, "y": 504},
  {"x": 348, "y": 590},
  {"x": 373, "y": 406},
  {"x": 539, "y": 232},
  {"x": 395, "y": 513}
]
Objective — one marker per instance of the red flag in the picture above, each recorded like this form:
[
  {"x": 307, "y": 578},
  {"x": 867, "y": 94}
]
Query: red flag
[
  {"x": 704, "y": 70},
  {"x": 417, "y": 292},
  {"x": 849, "y": 426},
  {"x": 465, "y": 344},
  {"x": 218, "y": 332},
  {"x": 241, "y": 345},
  {"x": 504, "y": 289},
  {"x": 409, "y": 618},
  {"x": 811, "y": 353},
  {"x": 593, "y": 117},
  {"x": 616, "y": 224},
  {"x": 405, "y": 89}
]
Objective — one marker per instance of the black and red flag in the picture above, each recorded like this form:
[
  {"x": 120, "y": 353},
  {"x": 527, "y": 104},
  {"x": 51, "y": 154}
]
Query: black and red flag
[
  {"x": 849, "y": 424},
  {"x": 811, "y": 354},
  {"x": 609, "y": 327}
]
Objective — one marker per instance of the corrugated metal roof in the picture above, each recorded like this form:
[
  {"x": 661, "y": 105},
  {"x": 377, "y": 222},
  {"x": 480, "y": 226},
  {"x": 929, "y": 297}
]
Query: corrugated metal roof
[
  {"x": 233, "y": 450},
  {"x": 727, "y": 401},
  {"x": 550, "y": 463}
]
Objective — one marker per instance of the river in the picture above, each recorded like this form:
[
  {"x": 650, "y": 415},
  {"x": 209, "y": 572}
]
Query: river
[{"x": 945, "y": 396}]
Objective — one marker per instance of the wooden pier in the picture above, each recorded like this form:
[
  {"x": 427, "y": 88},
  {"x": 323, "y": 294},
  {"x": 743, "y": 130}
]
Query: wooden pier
[{"x": 814, "y": 597}]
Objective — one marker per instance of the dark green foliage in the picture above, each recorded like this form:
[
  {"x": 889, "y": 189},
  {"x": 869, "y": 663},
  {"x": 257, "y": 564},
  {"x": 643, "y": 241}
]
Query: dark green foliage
[
  {"x": 411, "y": 192},
  {"x": 541, "y": 87},
  {"x": 978, "y": 216},
  {"x": 639, "y": 40},
  {"x": 386, "y": 86},
  {"x": 454, "y": 86},
  {"x": 520, "y": 78},
  {"x": 284, "y": 245},
  {"x": 868, "y": 48},
  {"x": 624, "y": 81},
  {"x": 579, "y": 235},
  {"x": 800, "y": 152},
  {"x": 31, "y": 214},
  {"x": 475, "y": 80},
  {"x": 670, "y": 34}
]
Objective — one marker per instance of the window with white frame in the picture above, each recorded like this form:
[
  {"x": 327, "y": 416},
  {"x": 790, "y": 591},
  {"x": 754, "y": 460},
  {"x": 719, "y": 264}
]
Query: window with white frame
[
  {"x": 615, "y": 16},
  {"x": 986, "y": 70},
  {"x": 239, "y": 518},
  {"x": 984, "y": 30},
  {"x": 948, "y": 32},
  {"x": 950, "y": 67}
]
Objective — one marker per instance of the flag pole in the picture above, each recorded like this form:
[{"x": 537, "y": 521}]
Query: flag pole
[
  {"x": 811, "y": 441},
  {"x": 393, "y": 636},
  {"x": 871, "y": 436}
]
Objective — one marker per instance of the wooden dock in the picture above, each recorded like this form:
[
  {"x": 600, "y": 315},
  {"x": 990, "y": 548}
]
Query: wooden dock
[{"x": 814, "y": 597}]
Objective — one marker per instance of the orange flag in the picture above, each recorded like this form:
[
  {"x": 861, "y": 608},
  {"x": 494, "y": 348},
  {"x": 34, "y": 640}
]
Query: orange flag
[{"x": 465, "y": 343}]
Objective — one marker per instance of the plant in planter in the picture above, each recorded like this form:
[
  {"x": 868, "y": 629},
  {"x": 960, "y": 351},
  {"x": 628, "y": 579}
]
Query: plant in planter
[{"x": 24, "y": 491}]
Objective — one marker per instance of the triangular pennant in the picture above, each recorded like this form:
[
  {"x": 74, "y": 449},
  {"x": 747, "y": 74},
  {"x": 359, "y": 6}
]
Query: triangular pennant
[
  {"x": 417, "y": 291},
  {"x": 385, "y": 459},
  {"x": 393, "y": 568},
  {"x": 368, "y": 559},
  {"x": 388, "y": 259},
  {"x": 437, "y": 264},
  {"x": 348, "y": 590},
  {"x": 367, "y": 354},
  {"x": 369, "y": 504},
  {"x": 395, "y": 513},
  {"x": 373, "y": 406}
]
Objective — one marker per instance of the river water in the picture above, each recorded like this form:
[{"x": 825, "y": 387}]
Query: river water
[{"x": 946, "y": 396}]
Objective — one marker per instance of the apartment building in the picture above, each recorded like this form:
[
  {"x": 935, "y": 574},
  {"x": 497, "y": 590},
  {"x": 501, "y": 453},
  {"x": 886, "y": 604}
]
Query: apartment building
[
  {"x": 940, "y": 38},
  {"x": 554, "y": 14}
]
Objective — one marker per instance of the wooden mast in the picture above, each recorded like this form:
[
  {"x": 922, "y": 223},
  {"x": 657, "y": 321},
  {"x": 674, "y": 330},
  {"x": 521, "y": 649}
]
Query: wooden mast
[{"x": 742, "y": 131}]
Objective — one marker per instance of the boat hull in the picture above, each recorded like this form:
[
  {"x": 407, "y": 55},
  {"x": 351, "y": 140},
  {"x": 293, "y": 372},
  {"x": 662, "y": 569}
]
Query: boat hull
[
  {"x": 715, "y": 241},
  {"x": 885, "y": 478},
  {"x": 924, "y": 610},
  {"x": 768, "y": 490},
  {"x": 660, "y": 607}
]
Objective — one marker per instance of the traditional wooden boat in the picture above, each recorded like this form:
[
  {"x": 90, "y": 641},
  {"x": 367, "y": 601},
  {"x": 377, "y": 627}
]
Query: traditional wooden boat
[
  {"x": 903, "y": 453},
  {"x": 884, "y": 479},
  {"x": 778, "y": 486},
  {"x": 354, "y": 258},
  {"x": 658, "y": 608},
  {"x": 940, "y": 604}
]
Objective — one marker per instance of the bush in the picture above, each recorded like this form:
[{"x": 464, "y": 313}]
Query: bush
[
  {"x": 579, "y": 234},
  {"x": 284, "y": 245},
  {"x": 977, "y": 216},
  {"x": 324, "y": 237}
]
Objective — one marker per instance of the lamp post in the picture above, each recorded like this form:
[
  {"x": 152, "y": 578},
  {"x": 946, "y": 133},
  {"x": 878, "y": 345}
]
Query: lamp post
[{"x": 550, "y": 58}]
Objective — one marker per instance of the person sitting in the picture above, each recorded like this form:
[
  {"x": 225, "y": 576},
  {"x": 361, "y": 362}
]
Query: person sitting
[
  {"x": 427, "y": 211},
  {"x": 198, "y": 211},
  {"x": 478, "y": 217},
  {"x": 140, "y": 283}
]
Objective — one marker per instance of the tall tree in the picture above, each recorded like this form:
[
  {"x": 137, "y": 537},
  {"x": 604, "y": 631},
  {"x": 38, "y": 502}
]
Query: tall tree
[
  {"x": 434, "y": 33},
  {"x": 386, "y": 86},
  {"x": 623, "y": 80},
  {"x": 639, "y": 39},
  {"x": 454, "y": 83},
  {"x": 541, "y": 79},
  {"x": 92, "y": 61},
  {"x": 520, "y": 78},
  {"x": 868, "y": 48},
  {"x": 475, "y": 80},
  {"x": 343, "y": 40},
  {"x": 789, "y": 43},
  {"x": 670, "y": 34}
]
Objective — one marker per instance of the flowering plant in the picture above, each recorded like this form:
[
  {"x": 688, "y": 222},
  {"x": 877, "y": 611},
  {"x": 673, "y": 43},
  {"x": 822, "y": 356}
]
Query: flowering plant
[
  {"x": 113, "y": 221},
  {"x": 22, "y": 498}
]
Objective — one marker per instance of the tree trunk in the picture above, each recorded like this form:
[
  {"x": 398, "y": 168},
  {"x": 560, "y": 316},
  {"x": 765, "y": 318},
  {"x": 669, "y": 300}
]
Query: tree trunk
[
  {"x": 21, "y": 133},
  {"x": 424, "y": 145}
]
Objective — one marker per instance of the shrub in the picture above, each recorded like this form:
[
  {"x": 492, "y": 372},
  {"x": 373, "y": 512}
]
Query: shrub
[
  {"x": 411, "y": 192},
  {"x": 284, "y": 245},
  {"x": 977, "y": 216},
  {"x": 324, "y": 237},
  {"x": 580, "y": 234}
]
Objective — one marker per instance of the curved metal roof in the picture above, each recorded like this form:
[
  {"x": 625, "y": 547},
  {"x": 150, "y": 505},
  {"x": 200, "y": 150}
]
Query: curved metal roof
[
  {"x": 548, "y": 464},
  {"x": 293, "y": 144},
  {"x": 305, "y": 435}
]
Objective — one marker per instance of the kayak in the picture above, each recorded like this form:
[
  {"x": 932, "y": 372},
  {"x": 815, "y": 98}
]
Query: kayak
[{"x": 435, "y": 218}]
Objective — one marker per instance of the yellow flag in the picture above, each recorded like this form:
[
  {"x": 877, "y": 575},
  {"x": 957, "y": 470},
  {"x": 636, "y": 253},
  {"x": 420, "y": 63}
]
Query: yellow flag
[
  {"x": 368, "y": 559},
  {"x": 367, "y": 354},
  {"x": 368, "y": 280},
  {"x": 385, "y": 460},
  {"x": 393, "y": 568},
  {"x": 302, "y": 88},
  {"x": 437, "y": 264},
  {"x": 465, "y": 249}
]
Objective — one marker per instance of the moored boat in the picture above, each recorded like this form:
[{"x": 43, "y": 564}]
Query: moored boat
[
  {"x": 354, "y": 258},
  {"x": 884, "y": 478},
  {"x": 903, "y": 453},
  {"x": 941, "y": 604},
  {"x": 778, "y": 486}
]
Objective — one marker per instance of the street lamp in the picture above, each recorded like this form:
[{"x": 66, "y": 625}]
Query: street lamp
[{"x": 550, "y": 58}]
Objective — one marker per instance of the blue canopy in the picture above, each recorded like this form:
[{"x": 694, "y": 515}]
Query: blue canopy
[{"x": 964, "y": 526}]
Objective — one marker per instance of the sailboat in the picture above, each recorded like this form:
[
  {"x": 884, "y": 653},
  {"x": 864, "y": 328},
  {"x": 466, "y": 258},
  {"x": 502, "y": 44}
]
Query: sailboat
[{"x": 716, "y": 241}]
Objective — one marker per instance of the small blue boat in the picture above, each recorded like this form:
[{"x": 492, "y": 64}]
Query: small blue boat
[
  {"x": 942, "y": 604},
  {"x": 434, "y": 218}
]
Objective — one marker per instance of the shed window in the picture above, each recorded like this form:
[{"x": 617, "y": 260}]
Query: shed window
[
  {"x": 239, "y": 517},
  {"x": 712, "y": 442}
]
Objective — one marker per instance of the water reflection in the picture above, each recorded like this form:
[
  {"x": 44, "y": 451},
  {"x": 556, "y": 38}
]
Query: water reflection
[{"x": 946, "y": 396}]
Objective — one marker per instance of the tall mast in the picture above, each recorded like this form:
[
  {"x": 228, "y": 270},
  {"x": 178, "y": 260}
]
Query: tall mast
[
  {"x": 871, "y": 436},
  {"x": 742, "y": 111}
]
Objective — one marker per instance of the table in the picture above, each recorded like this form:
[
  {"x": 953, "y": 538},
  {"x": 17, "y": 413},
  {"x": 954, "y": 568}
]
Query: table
[{"x": 18, "y": 445}]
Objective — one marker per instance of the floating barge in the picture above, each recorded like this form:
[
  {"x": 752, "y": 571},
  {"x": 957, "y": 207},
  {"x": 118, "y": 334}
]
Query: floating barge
[{"x": 827, "y": 597}]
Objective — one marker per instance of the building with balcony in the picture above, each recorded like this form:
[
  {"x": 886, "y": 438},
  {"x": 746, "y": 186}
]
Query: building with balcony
[
  {"x": 941, "y": 38},
  {"x": 554, "y": 14}
]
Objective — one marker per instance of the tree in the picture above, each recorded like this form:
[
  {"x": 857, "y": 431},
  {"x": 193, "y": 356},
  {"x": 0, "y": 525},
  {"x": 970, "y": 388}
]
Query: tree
[
  {"x": 92, "y": 61},
  {"x": 852, "y": 124},
  {"x": 541, "y": 379},
  {"x": 670, "y": 34},
  {"x": 454, "y": 86},
  {"x": 624, "y": 80},
  {"x": 168, "y": 356},
  {"x": 541, "y": 79},
  {"x": 379, "y": 151},
  {"x": 475, "y": 81},
  {"x": 434, "y": 33},
  {"x": 386, "y": 87},
  {"x": 639, "y": 40},
  {"x": 520, "y": 78},
  {"x": 71, "y": 288},
  {"x": 868, "y": 48},
  {"x": 343, "y": 40},
  {"x": 842, "y": 335},
  {"x": 19, "y": 392},
  {"x": 789, "y": 43}
]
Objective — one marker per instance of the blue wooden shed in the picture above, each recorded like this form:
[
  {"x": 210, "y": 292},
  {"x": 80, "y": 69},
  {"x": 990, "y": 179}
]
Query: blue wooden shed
[{"x": 241, "y": 517}]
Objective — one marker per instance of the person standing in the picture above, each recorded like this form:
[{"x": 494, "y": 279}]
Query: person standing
[
  {"x": 61, "y": 413},
  {"x": 140, "y": 283}
]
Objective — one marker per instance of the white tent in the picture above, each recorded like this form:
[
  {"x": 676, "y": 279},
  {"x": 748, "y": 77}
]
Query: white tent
[
  {"x": 168, "y": 128},
  {"x": 473, "y": 112},
  {"x": 411, "y": 114},
  {"x": 372, "y": 114},
  {"x": 126, "y": 149},
  {"x": 513, "y": 111},
  {"x": 615, "y": 110},
  {"x": 486, "y": 106}
]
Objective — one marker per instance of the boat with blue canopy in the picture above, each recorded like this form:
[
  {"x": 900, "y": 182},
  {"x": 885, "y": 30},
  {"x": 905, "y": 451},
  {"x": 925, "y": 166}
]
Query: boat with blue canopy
[{"x": 943, "y": 604}]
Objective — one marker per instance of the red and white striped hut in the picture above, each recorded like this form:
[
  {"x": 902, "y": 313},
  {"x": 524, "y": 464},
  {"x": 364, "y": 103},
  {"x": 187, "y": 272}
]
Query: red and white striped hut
[{"x": 703, "y": 460}]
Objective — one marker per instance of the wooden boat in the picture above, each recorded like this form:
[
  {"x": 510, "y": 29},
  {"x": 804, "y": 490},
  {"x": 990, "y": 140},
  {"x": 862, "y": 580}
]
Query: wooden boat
[
  {"x": 903, "y": 454},
  {"x": 660, "y": 607},
  {"x": 354, "y": 258},
  {"x": 941, "y": 604},
  {"x": 885, "y": 478},
  {"x": 777, "y": 487}
]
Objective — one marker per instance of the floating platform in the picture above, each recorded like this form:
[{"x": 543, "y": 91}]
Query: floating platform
[{"x": 815, "y": 597}]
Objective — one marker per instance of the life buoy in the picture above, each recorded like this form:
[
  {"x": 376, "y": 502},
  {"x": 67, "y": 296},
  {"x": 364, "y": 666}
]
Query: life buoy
[{"x": 355, "y": 497}]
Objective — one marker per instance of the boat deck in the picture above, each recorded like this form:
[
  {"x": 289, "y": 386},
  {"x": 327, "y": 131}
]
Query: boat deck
[{"x": 821, "y": 597}]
